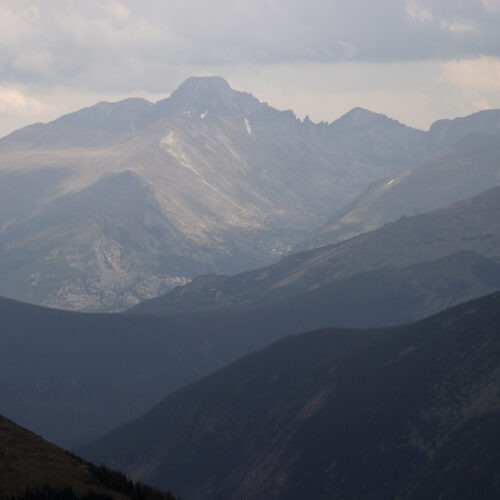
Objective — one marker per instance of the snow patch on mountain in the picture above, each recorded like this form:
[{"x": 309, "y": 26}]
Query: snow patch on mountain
[{"x": 248, "y": 126}]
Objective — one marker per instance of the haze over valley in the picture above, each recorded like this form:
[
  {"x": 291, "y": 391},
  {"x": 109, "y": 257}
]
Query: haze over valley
[
  {"x": 249, "y": 250},
  {"x": 118, "y": 202}
]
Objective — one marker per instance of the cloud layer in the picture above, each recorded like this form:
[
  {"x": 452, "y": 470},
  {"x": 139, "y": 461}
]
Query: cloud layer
[
  {"x": 134, "y": 44},
  {"x": 57, "y": 55}
]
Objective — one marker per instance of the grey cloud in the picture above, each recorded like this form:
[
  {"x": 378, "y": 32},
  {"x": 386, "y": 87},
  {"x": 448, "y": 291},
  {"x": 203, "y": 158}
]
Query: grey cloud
[{"x": 124, "y": 44}]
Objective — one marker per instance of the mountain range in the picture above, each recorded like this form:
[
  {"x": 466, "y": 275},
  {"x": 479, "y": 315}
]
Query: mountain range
[
  {"x": 73, "y": 376},
  {"x": 300, "y": 302},
  {"x": 404, "y": 412},
  {"x": 456, "y": 172},
  {"x": 468, "y": 225},
  {"x": 213, "y": 179},
  {"x": 120, "y": 202}
]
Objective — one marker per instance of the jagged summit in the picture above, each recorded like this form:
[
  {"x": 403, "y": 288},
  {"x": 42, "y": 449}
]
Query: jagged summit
[
  {"x": 358, "y": 118},
  {"x": 202, "y": 95},
  {"x": 229, "y": 183},
  {"x": 204, "y": 83}
]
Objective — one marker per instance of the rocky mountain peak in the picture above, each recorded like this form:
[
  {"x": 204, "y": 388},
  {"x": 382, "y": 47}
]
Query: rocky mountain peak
[
  {"x": 204, "y": 84},
  {"x": 198, "y": 96},
  {"x": 359, "y": 118}
]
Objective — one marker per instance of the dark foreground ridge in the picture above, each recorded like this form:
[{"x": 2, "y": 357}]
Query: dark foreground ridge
[
  {"x": 405, "y": 412},
  {"x": 32, "y": 468}
]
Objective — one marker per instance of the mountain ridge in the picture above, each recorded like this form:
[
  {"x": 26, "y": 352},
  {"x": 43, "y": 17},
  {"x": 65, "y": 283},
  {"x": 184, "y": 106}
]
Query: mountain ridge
[
  {"x": 45, "y": 381},
  {"x": 238, "y": 183},
  {"x": 448, "y": 131},
  {"x": 342, "y": 413},
  {"x": 454, "y": 173},
  {"x": 33, "y": 468},
  {"x": 469, "y": 224},
  {"x": 137, "y": 359}
]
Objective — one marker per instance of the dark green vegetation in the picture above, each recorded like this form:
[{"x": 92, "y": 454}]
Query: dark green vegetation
[
  {"x": 405, "y": 412},
  {"x": 72, "y": 377},
  {"x": 32, "y": 468}
]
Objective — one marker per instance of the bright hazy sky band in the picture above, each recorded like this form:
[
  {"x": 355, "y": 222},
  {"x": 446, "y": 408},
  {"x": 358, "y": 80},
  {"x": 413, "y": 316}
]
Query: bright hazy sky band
[{"x": 415, "y": 60}]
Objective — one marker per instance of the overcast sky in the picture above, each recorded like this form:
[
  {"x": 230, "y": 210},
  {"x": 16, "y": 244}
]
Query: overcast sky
[{"x": 414, "y": 60}]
